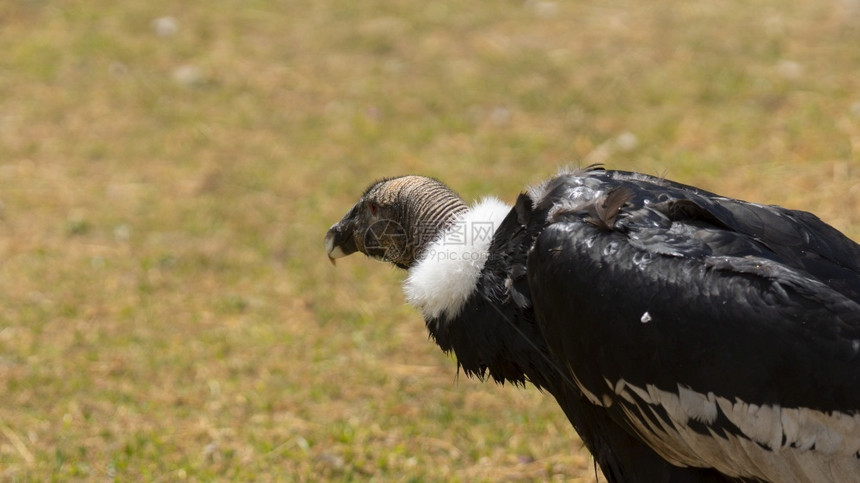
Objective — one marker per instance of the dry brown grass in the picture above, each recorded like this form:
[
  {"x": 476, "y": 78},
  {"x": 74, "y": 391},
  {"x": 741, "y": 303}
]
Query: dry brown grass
[{"x": 167, "y": 310}]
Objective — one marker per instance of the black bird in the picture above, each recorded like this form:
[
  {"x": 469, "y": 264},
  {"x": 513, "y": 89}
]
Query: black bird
[{"x": 687, "y": 336}]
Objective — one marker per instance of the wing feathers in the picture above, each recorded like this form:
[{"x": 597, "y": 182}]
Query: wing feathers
[
  {"x": 750, "y": 358},
  {"x": 603, "y": 213}
]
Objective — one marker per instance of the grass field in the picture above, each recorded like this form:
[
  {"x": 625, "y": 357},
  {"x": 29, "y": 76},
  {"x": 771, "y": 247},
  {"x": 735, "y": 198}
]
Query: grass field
[{"x": 168, "y": 171}]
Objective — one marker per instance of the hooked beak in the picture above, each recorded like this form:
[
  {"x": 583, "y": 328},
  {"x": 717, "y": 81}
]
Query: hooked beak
[{"x": 339, "y": 241}]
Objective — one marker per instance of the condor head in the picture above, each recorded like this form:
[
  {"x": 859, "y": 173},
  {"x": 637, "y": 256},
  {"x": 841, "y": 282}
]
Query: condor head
[{"x": 394, "y": 219}]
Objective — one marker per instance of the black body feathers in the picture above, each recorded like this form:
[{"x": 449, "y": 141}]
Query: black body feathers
[{"x": 687, "y": 336}]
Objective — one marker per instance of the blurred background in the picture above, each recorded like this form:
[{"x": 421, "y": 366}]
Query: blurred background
[{"x": 168, "y": 171}]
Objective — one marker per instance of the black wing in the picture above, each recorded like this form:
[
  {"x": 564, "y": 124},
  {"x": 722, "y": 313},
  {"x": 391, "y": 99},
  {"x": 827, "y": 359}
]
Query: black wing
[{"x": 723, "y": 334}]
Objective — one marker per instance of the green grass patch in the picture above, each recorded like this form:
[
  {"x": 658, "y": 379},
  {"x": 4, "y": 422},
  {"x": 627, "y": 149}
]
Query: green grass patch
[{"x": 168, "y": 312}]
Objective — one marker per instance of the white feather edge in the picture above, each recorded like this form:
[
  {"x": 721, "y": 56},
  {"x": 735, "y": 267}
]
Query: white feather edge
[
  {"x": 778, "y": 444},
  {"x": 448, "y": 271}
]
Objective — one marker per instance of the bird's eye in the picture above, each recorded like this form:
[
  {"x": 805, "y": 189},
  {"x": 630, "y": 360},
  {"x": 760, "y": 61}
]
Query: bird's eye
[{"x": 373, "y": 207}]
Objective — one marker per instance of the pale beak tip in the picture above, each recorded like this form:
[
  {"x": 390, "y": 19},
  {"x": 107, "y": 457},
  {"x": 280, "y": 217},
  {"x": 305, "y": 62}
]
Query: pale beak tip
[{"x": 333, "y": 251}]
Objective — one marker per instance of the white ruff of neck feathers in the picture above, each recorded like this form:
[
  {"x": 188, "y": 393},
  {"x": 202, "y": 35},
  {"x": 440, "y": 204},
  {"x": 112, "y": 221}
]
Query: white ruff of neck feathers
[{"x": 448, "y": 270}]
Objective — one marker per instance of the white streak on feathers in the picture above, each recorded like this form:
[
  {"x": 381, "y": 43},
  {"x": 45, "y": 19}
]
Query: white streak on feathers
[
  {"x": 697, "y": 406},
  {"x": 773, "y": 443},
  {"x": 449, "y": 269}
]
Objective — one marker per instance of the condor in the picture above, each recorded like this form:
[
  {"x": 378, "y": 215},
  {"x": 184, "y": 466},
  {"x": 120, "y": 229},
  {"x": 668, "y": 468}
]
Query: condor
[{"x": 687, "y": 336}]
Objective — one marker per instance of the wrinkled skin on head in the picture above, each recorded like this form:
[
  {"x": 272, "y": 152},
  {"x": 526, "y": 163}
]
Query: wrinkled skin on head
[{"x": 394, "y": 219}]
